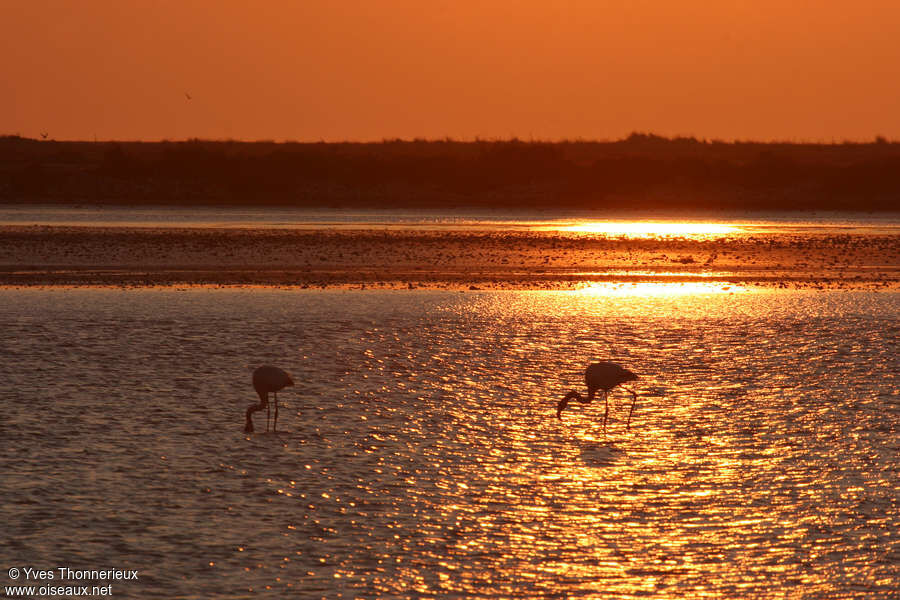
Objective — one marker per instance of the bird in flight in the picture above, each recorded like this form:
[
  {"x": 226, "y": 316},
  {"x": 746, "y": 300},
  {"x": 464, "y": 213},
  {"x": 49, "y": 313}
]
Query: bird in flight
[
  {"x": 267, "y": 379},
  {"x": 601, "y": 377},
  {"x": 188, "y": 96}
]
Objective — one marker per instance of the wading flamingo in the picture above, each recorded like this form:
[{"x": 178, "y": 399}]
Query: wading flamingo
[
  {"x": 603, "y": 377},
  {"x": 267, "y": 379}
]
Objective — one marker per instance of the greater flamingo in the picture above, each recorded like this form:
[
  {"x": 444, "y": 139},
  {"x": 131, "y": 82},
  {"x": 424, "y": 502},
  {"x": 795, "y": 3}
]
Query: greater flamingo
[
  {"x": 267, "y": 379},
  {"x": 601, "y": 376}
]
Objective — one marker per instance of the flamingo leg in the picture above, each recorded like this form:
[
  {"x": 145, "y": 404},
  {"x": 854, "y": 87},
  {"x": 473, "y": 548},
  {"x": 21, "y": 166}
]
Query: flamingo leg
[
  {"x": 633, "y": 400},
  {"x": 275, "y": 425},
  {"x": 606, "y": 412},
  {"x": 268, "y": 412}
]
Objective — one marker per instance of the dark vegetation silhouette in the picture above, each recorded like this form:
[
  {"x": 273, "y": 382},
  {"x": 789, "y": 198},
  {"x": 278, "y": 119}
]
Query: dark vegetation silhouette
[{"x": 644, "y": 171}]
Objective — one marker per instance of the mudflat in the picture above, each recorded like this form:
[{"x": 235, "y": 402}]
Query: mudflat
[{"x": 148, "y": 256}]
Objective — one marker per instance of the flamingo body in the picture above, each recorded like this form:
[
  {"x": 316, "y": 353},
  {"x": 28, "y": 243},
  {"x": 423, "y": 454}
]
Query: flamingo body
[
  {"x": 601, "y": 377},
  {"x": 267, "y": 379},
  {"x": 606, "y": 375}
]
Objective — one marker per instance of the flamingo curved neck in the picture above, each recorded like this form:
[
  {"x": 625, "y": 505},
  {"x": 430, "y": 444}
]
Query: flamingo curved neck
[{"x": 565, "y": 402}]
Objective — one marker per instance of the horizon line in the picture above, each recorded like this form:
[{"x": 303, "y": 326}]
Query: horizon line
[{"x": 632, "y": 137}]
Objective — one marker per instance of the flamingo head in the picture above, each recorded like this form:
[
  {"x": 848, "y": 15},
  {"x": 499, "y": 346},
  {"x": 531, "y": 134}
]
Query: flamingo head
[
  {"x": 559, "y": 407},
  {"x": 565, "y": 402}
]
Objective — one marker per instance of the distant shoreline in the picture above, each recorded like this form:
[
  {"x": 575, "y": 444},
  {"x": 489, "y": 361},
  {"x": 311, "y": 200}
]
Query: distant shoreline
[{"x": 641, "y": 173}]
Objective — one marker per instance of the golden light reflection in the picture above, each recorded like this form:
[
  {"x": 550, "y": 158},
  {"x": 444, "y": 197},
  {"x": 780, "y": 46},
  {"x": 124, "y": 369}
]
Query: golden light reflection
[
  {"x": 656, "y": 274},
  {"x": 659, "y": 288},
  {"x": 652, "y": 228}
]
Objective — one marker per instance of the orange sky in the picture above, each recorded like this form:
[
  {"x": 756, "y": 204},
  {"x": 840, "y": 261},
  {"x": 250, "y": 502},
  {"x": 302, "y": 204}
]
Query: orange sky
[{"x": 365, "y": 70}]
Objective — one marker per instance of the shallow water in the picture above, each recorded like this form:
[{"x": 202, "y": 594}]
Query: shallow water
[
  {"x": 419, "y": 454},
  {"x": 593, "y": 222}
]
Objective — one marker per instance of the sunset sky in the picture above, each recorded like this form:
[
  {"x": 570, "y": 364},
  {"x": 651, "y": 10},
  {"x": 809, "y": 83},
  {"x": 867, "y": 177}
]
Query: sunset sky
[{"x": 731, "y": 69}]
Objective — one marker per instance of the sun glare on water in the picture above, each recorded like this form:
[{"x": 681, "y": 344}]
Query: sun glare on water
[
  {"x": 651, "y": 228},
  {"x": 659, "y": 289}
]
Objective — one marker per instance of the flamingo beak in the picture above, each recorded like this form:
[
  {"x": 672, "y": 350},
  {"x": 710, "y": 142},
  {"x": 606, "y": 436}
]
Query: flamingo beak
[{"x": 559, "y": 407}]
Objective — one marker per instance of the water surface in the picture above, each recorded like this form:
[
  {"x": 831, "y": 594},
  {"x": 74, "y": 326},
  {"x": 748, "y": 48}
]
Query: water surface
[
  {"x": 603, "y": 222},
  {"x": 420, "y": 455}
]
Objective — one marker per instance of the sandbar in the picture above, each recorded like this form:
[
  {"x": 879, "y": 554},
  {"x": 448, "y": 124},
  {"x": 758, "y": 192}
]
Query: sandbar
[{"x": 389, "y": 258}]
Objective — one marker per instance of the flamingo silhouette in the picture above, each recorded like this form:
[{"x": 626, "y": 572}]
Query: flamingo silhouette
[
  {"x": 603, "y": 377},
  {"x": 267, "y": 379}
]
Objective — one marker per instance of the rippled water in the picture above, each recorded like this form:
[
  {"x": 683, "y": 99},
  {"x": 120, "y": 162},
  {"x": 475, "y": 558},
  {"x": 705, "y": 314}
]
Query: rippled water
[
  {"x": 609, "y": 222},
  {"x": 420, "y": 455}
]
